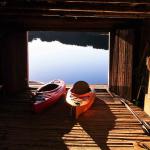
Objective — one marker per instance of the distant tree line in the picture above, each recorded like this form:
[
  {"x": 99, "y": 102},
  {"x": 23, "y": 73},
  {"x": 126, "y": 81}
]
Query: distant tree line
[{"x": 95, "y": 39}]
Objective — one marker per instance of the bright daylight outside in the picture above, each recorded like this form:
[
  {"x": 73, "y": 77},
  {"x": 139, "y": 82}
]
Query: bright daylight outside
[{"x": 70, "y": 56}]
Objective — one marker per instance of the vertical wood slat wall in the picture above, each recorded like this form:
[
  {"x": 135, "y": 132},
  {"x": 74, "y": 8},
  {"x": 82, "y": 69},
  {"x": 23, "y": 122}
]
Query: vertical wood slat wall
[{"x": 121, "y": 63}]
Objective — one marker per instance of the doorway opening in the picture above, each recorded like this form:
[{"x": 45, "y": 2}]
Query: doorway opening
[{"x": 70, "y": 56}]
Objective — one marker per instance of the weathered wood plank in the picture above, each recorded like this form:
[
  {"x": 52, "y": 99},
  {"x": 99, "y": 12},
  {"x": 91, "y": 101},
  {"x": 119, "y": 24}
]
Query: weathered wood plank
[
  {"x": 101, "y": 127},
  {"x": 75, "y": 13}
]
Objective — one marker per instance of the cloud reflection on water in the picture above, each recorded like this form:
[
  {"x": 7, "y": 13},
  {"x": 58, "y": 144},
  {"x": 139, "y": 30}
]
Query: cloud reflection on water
[{"x": 55, "y": 60}]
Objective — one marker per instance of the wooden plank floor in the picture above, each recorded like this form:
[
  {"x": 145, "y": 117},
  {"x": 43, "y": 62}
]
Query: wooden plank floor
[{"x": 108, "y": 125}]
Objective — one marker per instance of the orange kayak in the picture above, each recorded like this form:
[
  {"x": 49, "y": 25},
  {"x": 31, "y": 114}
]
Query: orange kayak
[{"x": 80, "y": 103}]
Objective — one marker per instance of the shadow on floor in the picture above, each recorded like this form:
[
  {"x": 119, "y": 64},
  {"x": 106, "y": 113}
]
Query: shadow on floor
[
  {"x": 97, "y": 122},
  {"x": 53, "y": 129}
]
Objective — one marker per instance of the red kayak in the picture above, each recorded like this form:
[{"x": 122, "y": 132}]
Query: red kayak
[{"x": 48, "y": 94}]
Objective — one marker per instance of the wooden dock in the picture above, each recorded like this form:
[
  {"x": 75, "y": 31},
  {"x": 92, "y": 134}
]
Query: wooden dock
[{"x": 108, "y": 125}]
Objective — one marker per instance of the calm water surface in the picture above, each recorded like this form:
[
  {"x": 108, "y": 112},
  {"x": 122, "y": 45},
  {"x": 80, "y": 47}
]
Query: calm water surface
[{"x": 54, "y": 60}]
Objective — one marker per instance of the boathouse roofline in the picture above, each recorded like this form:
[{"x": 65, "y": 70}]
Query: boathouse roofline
[{"x": 73, "y": 15}]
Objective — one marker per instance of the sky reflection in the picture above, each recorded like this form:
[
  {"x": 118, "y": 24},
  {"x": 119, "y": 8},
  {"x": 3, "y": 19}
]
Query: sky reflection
[{"x": 55, "y": 60}]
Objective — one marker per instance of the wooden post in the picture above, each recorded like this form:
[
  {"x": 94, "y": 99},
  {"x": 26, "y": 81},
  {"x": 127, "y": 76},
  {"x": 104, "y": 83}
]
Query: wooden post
[
  {"x": 149, "y": 85},
  {"x": 14, "y": 61},
  {"x": 147, "y": 96}
]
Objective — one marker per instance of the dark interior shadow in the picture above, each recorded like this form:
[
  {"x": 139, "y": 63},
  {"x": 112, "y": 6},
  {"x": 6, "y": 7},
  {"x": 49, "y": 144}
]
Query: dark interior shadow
[
  {"x": 21, "y": 129},
  {"x": 97, "y": 122},
  {"x": 52, "y": 129}
]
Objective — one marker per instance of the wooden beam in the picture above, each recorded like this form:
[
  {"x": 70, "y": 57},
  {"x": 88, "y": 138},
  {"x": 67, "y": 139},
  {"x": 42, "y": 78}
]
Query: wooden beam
[
  {"x": 74, "y": 13},
  {"x": 81, "y": 4},
  {"x": 84, "y": 1},
  {"x": 102, "y": 14},
  {"x": 76, "y": 6},
  {"x": 102, "y": 9},
  {"x": 65, "y": 23}
]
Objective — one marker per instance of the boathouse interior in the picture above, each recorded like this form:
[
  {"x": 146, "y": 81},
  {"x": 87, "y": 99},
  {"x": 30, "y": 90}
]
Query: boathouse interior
[{"x": 108, "y": 124}]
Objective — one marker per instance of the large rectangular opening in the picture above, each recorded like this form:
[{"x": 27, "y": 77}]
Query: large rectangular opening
[{"x": 70, "y": 56}]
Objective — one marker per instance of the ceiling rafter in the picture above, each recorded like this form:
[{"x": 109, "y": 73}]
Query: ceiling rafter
[{"x": 27, "y": 12}]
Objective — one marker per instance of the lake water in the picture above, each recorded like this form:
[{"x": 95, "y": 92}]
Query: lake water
[{"x": 71, "y": 63}]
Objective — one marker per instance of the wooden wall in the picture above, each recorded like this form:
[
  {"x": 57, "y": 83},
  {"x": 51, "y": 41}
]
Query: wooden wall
[
  {"x": 14, "y": 71},
  {"x": 128, "y": 51},
  {"x": 121, "y": 62}
]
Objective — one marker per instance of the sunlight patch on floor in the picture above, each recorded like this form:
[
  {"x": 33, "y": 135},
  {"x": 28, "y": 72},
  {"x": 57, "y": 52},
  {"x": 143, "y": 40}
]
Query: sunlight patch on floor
[{"x": 78, "y": 137}]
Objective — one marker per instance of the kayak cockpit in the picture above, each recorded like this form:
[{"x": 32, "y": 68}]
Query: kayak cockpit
[{"x": 49, "y": 87}]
